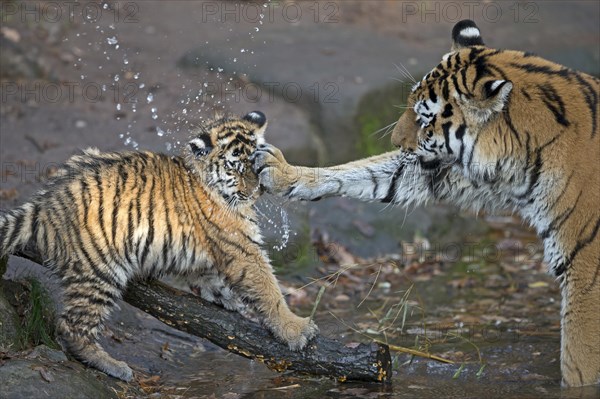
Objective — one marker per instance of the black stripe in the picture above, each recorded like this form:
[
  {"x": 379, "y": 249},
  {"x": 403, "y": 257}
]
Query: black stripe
[
  {"x": 80, "y": 246},
  {"x": 445, "y": 91},
  {"x": 456, "y": 86},
  {"x": 583, "y": 243},
  {"x": 17, "y": 224},
  {"x": 446, "y": 128},
  {"x": 128, "y": 236},
  {"x": 392, "y": 190},
  {"x": 511, "y": 127},
  {"x": 374, "y": 181},
  {"x": 481, "y": 70},
  {"x": 591, "y": 99},
  {"x": 460, "y": 132},
  {"x": 150, "y": 235},
  {"x": 122, "y": 179},
  {"x": 463, "y": 78},
  {"x": 447, "y": 113},
  {"x": 558, "y": 222},
  {"x": 168, "y": 240},
  {"x": 432, "y": 95},
  {"x": 551, "y": 100},
  {"x": 544, "y": 69}
]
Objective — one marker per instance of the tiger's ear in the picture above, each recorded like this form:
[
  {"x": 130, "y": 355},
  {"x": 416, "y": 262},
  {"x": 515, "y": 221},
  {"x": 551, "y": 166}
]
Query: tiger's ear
[
  {"x": 200, "y": 146},
  {"x": 260, "y": 120},
  {"x": 465, "y": 34},
  {"x": 495, "y": 94}
]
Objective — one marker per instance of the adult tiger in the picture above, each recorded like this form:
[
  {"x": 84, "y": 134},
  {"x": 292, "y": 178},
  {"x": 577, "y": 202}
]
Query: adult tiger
[{"x": 493, "y": 129}]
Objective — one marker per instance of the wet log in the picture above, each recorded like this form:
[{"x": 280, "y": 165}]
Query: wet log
[
  {"x": 230, "y": 331},
  {"x": 244, "y": 337}
]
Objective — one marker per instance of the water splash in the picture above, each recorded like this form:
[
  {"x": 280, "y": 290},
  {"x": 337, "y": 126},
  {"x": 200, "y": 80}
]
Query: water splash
[{"x": 274, "y": 220}]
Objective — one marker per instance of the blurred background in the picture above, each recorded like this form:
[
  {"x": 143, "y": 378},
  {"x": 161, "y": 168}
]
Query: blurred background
[{"x": 329, "y": 75}]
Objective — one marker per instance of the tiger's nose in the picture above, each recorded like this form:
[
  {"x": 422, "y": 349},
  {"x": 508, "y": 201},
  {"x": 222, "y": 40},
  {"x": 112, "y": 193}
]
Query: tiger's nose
[{"x": 405, "y": 132}]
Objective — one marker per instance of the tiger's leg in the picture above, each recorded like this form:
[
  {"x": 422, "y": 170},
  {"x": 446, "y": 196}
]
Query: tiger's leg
[
  {"x": 88, "y": 302},
  {"x": 252, "y": 278},
  {"x": 395, "y": 177},
  {"x": 580, "y": 341},
  {"x": 367, "y": 179}
]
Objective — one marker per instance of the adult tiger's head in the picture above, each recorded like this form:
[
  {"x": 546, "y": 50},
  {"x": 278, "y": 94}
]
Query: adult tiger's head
[
  {"x": 462, "y": 98},
  {"x": 220, "y": 152}
]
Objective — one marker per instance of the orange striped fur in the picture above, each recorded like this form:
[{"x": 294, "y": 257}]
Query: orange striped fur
[{"x": 111, "y": 217}]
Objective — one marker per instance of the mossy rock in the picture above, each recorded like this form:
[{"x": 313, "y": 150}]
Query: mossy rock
[
  {"x": 9, "y": 323},
  {"x": 376, "y": 110}
]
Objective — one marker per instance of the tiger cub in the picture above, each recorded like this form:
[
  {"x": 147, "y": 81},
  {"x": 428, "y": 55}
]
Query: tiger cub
[
  {"x": 110, "y": 217},
  {"x": 493, "y": 129}
]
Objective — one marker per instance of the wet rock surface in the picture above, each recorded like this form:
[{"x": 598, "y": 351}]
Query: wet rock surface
[{"x": 45, "y": 372}]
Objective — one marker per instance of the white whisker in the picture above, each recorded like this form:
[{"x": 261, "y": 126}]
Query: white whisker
[
  {"x": 391, "y": 125},
  {"x": 408, "y": 73}
]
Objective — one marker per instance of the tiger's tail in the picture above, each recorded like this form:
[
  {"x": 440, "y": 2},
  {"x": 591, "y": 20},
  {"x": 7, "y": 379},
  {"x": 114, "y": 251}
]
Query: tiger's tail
[{"x": 16, "y": 228}]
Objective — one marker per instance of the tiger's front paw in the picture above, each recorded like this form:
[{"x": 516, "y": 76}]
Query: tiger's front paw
[
  {"x": 272, "y": 169},
  {"x": 297, "y": 332}
]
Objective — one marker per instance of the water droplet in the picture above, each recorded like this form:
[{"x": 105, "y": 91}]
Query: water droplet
[
  {"x": 150, "y": 98},
  {"x": 235, "y": 60},
  {"x": 169, "y": 146},
  {"x": 160, "y": 132},
  {"x": 125, "y": 61},
  {"x": 116, "y": 78},
  {"x": 136, "y": 76},
  {"x": 105, "y": 6},
  {"x": 118, "y": 107},
  {"x": 184, "y": 111},
  {"x": 219, "y": 69},
  {"x": 142, "y": 85},
  {"x": 243, "y": 50},
  {"x": 111, "y": 40}
]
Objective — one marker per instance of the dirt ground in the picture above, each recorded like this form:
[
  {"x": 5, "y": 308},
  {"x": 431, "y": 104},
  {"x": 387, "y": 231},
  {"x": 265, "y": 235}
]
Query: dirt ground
[{"x": 142, "y": 74}]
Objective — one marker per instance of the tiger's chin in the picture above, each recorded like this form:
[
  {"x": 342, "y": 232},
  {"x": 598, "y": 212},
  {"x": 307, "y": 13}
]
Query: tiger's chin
[{"x": 433, "y": 163}]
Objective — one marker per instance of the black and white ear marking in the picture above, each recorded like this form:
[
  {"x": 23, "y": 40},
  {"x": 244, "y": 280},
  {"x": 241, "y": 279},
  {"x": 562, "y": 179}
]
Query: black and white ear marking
[
  {"x": 256, "y": 117},
  {"x": 201, "y": 145},
  {"x": 495, "y": 94},
  {"x": 494, "y": 87},
  {"x": 466, "y": 34}
]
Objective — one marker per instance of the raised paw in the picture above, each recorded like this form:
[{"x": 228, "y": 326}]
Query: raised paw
[
  {"x": 269, "y": 164},
  {"x": 298, "y": 332}
]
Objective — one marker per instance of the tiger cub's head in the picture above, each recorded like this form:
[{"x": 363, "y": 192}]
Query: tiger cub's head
[
  {"x": 462, "y": 97},
  {"x": 220, "y": 153}
]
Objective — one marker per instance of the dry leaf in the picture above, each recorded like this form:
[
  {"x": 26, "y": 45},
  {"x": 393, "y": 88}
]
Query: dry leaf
[
  {"x": 11, "y": 34},
  {"x": 538, "y": 284},
  {"x": 46, "y": 375}
]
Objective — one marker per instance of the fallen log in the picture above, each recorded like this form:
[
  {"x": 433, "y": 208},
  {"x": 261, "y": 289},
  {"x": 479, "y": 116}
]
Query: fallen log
[{"x": 244, "y": 337}]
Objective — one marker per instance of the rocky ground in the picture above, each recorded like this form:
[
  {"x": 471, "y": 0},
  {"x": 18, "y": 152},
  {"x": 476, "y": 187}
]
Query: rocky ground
[{"x": 328, "y": 75}]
